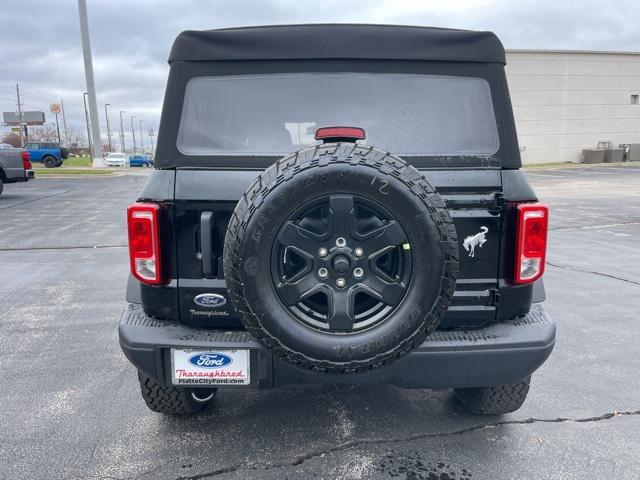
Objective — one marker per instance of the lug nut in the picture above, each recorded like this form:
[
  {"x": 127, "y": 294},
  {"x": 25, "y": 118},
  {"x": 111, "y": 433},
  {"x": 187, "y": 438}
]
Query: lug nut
[
  {"x": 340, "y": 242},
  {"x": 323, "y": 272},
  {"x": 358, "y": 272},
  {"x": 358, "y": 252},
  {"x": 341, "y": 282},
  {"x": 323, "y": 252}
]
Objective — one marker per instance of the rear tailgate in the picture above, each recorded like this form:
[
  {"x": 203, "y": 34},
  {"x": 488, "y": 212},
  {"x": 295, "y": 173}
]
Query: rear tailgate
[
  {"x": 204, "y": 200},
  {"x": 11, "y": 164}
]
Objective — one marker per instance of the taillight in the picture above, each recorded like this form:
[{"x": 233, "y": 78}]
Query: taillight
[
  {"x": 144, "y": 242},
  {"x": 531, "y": 250},
  {"x": 26, "y": 163}
]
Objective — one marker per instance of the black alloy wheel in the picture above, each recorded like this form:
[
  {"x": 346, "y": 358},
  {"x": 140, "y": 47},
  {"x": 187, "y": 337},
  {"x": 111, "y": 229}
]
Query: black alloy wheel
[{"x": 341, "y": 263}]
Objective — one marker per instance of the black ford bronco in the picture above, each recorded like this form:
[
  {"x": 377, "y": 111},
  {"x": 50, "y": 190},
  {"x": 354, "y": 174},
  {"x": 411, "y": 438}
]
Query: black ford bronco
[{"x": 336, "y": 204}]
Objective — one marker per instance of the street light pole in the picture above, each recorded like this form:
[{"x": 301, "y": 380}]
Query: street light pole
[
  {"x": 141, "y": 139},
  {"x": 91, "y": 86},
  {"x": 64, "y": 122},
  {"x": 58, "y": 128},
  {"x": 122, "y": 131},
  {"x": 86, "y": 117},
  {"x": 151, "y": 138},
  {"x": 133, "y": 132},
  {"x": 106, "y": 114}
]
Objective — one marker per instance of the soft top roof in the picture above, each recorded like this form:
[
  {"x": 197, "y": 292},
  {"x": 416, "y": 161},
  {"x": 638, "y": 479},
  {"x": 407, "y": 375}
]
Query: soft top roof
[{"x": 337, "y": 41}]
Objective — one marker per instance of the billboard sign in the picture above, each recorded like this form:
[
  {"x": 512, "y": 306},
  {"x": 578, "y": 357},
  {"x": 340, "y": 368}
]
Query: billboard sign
[{"x": 29, "y": 118}]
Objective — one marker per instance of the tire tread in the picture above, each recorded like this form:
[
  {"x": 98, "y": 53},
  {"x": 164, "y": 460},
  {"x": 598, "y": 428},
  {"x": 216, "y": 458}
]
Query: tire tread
[
  {"x": 495, "y": 400},
  {"x": 356, "y": 156},
  {"x": 167, "y": 400}
]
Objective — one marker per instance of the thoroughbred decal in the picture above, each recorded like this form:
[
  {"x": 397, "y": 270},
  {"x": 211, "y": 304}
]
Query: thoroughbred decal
[{"x": 472, "y": 241}]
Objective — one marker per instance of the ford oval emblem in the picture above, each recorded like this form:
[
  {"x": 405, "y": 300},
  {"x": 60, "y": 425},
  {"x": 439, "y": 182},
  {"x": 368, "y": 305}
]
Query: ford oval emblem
[
  {"x": 210, "y": 360},
  {"x": 210, "y": 300}
]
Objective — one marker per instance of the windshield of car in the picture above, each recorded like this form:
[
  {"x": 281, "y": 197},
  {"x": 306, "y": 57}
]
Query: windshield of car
[
  {"x": 116, "y": 155},
  {"x": 274, "y": 114}
]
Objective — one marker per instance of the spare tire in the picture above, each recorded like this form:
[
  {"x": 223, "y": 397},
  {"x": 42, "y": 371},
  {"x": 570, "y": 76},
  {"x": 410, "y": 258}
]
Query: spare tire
[{"x": 341, "y": 258}]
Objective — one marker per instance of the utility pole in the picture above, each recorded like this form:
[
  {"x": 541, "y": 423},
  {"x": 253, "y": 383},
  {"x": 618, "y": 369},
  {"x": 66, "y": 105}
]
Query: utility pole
[
  {"x": 106, "y": 114},
  {"x": 133, "y": 132},
  {"x": 64, "y": 122},
  {"x": 151, "y": 138},
  {"x": 22, "y": 140},
  {"x": 122, "y": 132},
  {"x": 91, "y": 86},
  {"x": 86, "y": 117},
  {"x": 58, "y": 128},
  {"x": 141, "y": 139}
]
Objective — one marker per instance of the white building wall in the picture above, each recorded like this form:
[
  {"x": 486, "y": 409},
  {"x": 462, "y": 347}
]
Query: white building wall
[{"x": 565, "y": 101}]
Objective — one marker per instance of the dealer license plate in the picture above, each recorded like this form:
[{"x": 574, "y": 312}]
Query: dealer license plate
[{"x": 210, "y": 367}]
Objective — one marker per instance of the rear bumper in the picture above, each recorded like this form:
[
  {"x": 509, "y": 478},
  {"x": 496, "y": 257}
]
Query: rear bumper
[
  {"x": 496, "y": 355},
  {"x": 18, "y": 175}
]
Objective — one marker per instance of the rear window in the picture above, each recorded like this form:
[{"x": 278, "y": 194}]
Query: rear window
[{"x": 275, "y": 114}]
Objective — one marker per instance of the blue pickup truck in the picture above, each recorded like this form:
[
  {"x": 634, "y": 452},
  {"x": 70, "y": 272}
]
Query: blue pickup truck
[
  {"x": 140, "y": 161},
  {"x": 51, "y": 154}
]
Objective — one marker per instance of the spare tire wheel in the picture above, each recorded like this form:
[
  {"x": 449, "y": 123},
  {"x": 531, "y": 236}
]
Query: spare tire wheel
[{"x": 341, "y": 258}]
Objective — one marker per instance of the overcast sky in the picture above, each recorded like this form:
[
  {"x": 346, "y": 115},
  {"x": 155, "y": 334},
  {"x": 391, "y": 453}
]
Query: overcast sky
[{"x": 40, "y": 39}]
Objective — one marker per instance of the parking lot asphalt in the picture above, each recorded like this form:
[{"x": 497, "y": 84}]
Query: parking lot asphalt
[{"x": 71, "y": 408}]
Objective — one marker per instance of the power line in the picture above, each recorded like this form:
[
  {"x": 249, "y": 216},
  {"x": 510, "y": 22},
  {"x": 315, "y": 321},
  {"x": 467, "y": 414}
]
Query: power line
[
  {"x": 35, "y": 107},
  {"x": 35, "y": 97},
  {"x": 29, "y": 94},
  {"x": 40, "y": 92}
]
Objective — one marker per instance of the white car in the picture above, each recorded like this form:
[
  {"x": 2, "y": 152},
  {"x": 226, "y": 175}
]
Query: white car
[{"x": 116, "y": 160}]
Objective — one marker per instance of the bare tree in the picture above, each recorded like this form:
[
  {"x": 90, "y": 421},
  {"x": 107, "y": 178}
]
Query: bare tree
[
  {"x": 45, "y": 133},
  {"x": 12, "y": 139},
  {"x": 77, "y": 141}
]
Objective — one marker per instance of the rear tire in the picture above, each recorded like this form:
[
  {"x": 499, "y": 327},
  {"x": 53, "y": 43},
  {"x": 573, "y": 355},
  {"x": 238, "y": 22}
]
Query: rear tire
[
  {"x": 50, "y": 162},
  {"x": 496, "y": 400},
  {"x": 168, "y": 400}
]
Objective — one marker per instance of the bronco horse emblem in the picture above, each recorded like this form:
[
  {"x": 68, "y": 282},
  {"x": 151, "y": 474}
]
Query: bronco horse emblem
[{"x": 472, "y": 241}]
